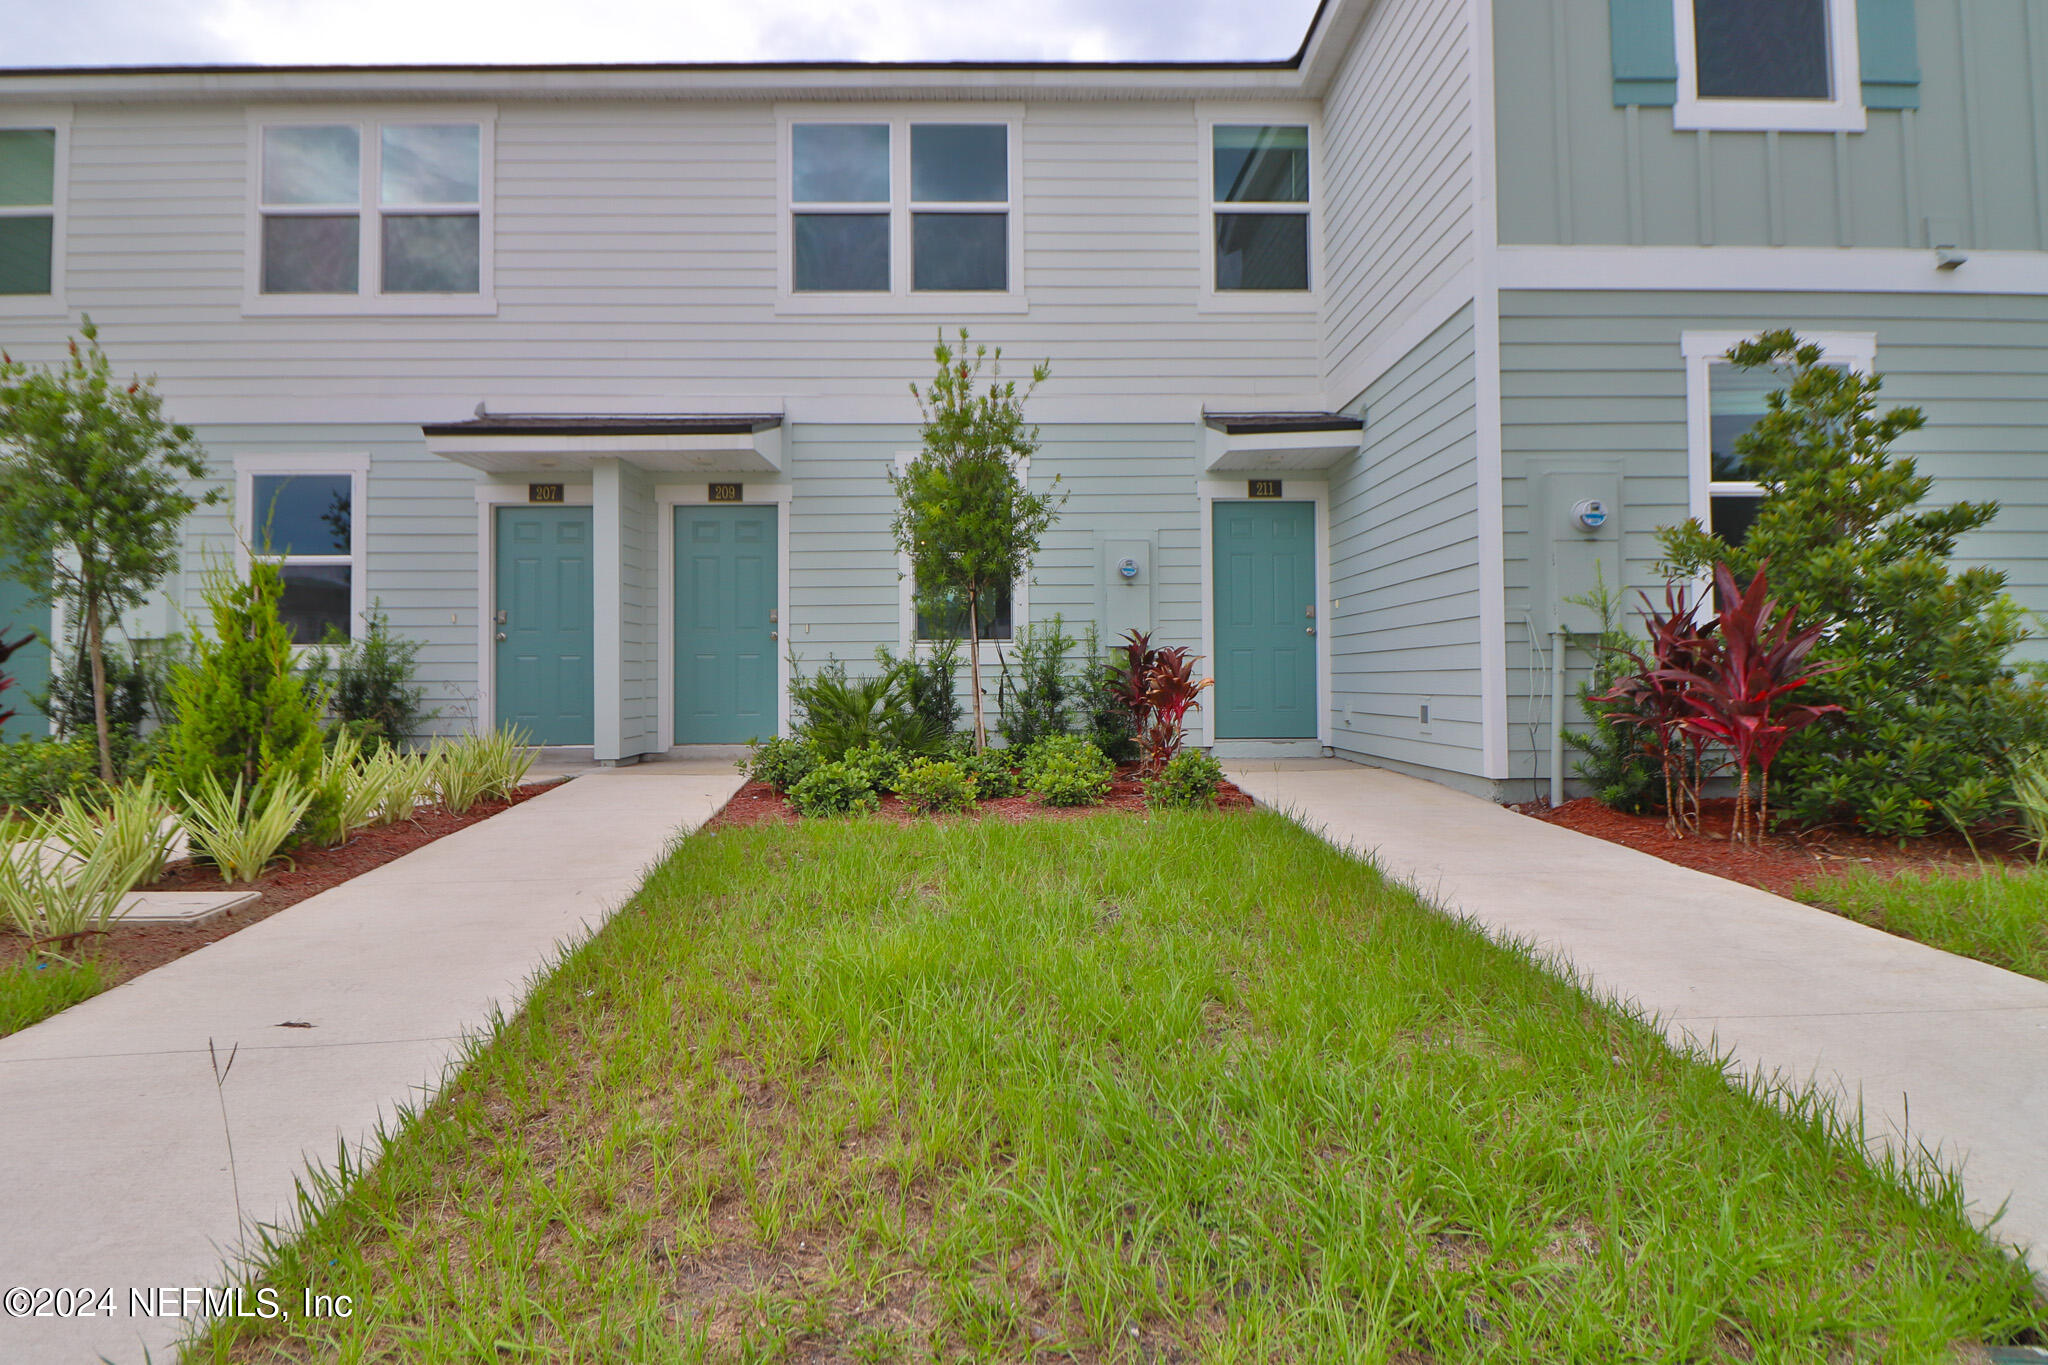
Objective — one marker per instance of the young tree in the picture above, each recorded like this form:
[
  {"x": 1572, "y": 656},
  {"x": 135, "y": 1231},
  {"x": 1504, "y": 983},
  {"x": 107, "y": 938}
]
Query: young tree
[
  {"x": 91, "y": 494},
  {"x": 968, "y": 524},
  {"x": 1922, "y": 652}
]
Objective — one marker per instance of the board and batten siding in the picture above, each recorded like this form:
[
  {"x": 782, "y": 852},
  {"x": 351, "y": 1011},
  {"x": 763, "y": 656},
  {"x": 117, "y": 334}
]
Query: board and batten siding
[
  {"x": 1404, "y": 568},
  {"x": 1396, "y": 193},
  {"x": 636, "y": 264},
  {"x": 1600, "y": 374},
  {"x": 1575, "y": 169}
]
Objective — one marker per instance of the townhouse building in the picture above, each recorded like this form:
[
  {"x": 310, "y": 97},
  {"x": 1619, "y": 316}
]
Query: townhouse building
[{"x": 1363, "y": 361}]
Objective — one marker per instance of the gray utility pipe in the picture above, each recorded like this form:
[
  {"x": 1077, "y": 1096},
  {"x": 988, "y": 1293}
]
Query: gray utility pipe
[{"x": 1558, "y": 641}]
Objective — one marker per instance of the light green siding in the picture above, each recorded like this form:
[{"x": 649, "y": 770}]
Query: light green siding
[
  {"x": 1600, "y": 375},
  {"x": 1404, "y": 567},
  {"x": 1974, "y": 156}
]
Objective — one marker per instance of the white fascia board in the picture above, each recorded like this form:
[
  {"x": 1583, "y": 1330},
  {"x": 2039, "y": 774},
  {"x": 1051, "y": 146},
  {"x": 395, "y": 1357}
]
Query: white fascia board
[
  {"x": 759, "y": 453},
  {"x": 1223, "y": 453},
  {"x": 1820, "y": 270}
]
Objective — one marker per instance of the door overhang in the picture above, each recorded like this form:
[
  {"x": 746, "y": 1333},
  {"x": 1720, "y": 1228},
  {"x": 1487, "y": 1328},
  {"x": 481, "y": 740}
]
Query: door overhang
[
  {"x": 674, "y": 443},
  {"x": 1260, "y": 442}
]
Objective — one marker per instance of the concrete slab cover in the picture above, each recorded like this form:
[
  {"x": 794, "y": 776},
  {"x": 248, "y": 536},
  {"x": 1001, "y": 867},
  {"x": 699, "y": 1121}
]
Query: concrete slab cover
[
  {"x": 190, "y": 908},
  {"x": 110, "y": 1126},
  {"x": 1959, "y": 1045}
]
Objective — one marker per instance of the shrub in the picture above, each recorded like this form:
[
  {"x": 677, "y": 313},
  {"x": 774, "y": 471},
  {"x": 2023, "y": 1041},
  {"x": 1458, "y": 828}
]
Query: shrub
[
  {"x": 879, "y": 764},
  {"x": 932, "y": 784},
  {"x": 994, "y": 777},
  {"x": 136, "y": 681},
  {"x": 1101, "y": 693},
  {"x": 35, "y": 774},
  {"x": 780, "y": 762},
  {"x": 368, "y": 683},
  {"x": 1155, "y": 688},
  {"x": 408, "y": 780},
  {"x": 1933, "y": 699},
  {"x": 244, "y": 721},
  {"x": 1035, "y": 702},
  {"x": 1188, "y": 781},
  {"x": 1614, "y": 761},
  {"x": 357, "y": 782},
  {"x": 240, "y": 831},
  {"x": 833, "y": 789},
  {"x": 65, "y": 876},
  {"x": 1066, "y": 770},
  {"x": 927, "y": 683},
  {"x": 838, "y": 714},
  {"x": 482, "y": 763},
  {"x": 2030, "y": 799}
]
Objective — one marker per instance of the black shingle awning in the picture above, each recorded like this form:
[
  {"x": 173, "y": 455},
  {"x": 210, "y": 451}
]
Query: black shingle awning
[{"x": 1276, "y": 423}]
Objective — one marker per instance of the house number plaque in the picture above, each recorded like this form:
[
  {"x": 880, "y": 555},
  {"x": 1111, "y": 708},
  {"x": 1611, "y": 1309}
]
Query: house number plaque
[
  {"x": 728, "y": 492},
  {"x": 544, "y": 492},
  {"x": 1263, "y": 488}
]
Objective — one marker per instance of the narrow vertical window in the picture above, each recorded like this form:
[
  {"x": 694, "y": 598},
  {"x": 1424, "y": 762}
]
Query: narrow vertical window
[
  {"x": 431, "y": 203},
  {"x": 305, "y": 524},
  {"x": 28, "y": 209},
  {"x": 1261, "y": 207},
  {"x": 960, "y": 207},
  {"x": 841, "y": 197},
  {"x": 311, "y": 206}
]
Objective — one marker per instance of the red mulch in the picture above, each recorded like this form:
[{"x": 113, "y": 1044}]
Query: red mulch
[
  {"x": 1786, "y": 859},
  {"x": 129, "y": 951},
  {"x": 758, "y": 804}
]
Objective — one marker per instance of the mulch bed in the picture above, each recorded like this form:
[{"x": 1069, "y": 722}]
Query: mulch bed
[
  {"x": 1786, "y": 860},
  {"x": 757, "y": 803},
  {"x": 128, "y": 951}
]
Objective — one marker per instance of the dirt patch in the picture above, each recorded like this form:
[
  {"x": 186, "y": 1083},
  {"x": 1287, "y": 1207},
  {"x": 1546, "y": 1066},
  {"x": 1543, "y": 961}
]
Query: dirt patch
[
  {"x": 757, "y": 803},
  {"x": 1785, "y": 860},
  {"x": 127, "y": 952}
]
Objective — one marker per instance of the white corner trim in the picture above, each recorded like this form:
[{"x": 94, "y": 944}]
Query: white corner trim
[
  {"x": 1766, "y": 269},
  {"x": 1488, "y": 480},
  {"x": 1843, "y": 113},
  {"x": 1209, "y": 492},
  {"x": 355, "y": 466},
  {"x": 667, "y": 498}
]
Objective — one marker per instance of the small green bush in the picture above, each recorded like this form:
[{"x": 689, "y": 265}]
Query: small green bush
[
  {"x": 36, "y": 774},
  {"x": 1066, "y": 770},
  {"x": 368, "y": 683},
  {"x": 834, "y": 789},
  {"x": 881, "y": 765},
  {"x": 993, "y": 776},
  {"x": 932, "y": 784},
  {"x": 1034, "y": 704},
  {"x": 1188, "y": 781},
  {"x": 780, "y": 762}
]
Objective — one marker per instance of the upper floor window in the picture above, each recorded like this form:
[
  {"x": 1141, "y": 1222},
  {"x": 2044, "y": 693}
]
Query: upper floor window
[
  {"x": 390, "y": 215},
  {"x": 28, "y": 210},
  {"x": 1260, "y": 203},
  {"x": 901, "y": 207},
  {"x": 1784, "y": 64}
]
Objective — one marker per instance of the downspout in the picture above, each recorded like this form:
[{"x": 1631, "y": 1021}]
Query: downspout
[{"x": 1559, "y": 640}]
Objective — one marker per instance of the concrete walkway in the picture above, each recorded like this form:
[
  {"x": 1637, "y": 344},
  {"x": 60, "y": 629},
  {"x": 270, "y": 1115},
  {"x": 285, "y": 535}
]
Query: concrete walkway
[
  {"x": 113, "y": 1167},
  {"x": 1789, "y": 989}
]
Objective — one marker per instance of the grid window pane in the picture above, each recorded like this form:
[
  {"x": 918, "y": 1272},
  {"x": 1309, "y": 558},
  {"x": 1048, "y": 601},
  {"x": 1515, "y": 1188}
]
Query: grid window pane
[
  {"x": 948, "y": 620},
  {"x": 300, "y": 514},
  {"x": 1732, "y": 514},
  {"x": 839, "y": 163},
  {"x": 432, "y": 253},
  {"x": 1762, "y": 49},
  {"x": 312, "y": 166},
  {"x": 1262, "y": 251},
  {"x": 316, "y": 599},
  {"x": 431, "y": 163},
  {"x": 316, "y": 254},
  {"x": 25, "y": 255},
  {"x": 841, "y": 252},
  {"x": 960, "y": 251},
  {"x": 28, "y": 167},
  {"x": 1258, "y": 164},
  {"x": 960, "y": 163}
]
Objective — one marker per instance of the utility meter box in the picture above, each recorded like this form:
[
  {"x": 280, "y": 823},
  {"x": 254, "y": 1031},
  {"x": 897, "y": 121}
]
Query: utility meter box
[
  {"x": 1126, "y": 578},
  {"x": 1575, "y": 541}
]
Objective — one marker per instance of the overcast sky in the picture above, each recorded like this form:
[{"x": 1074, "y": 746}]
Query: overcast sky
[{"x": 170, "y": 32}]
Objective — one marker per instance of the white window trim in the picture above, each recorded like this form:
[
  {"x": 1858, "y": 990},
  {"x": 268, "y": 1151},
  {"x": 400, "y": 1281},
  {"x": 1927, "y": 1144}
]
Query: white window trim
[
  {"x": 1857, "y": 350},
  {"x": 1842, "y": 114},
  {"x": 1209, "y": 492},
  {"x": 900, "y": 298},
  {"x": 59, "y": 119},
  {"x": 368, "y": 298},
  {"x": 907, "y": 642},
  {"x": 1214, "y": 300},
  {"x": 357, "y": 468},
  {"x": 667, "y": 498}
]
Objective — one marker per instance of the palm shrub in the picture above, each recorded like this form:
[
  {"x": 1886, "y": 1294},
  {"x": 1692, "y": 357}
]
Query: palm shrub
[
  {"x": 1189, "y": 781},
  {"x": 1066, "y": 770},
  {"x": 934, "y": 785},
  {"x": 926, "y": 682},
  {"x": 1932, "y": 698},
  {"x": 244, "y": 720},
  {"x": 837, "y": 714},
  {"x": 834, "y": 789},
  {"x": 239, "y": 831}
]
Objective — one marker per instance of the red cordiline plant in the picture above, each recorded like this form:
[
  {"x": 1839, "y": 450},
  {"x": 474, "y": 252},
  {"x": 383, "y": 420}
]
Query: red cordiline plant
[
  {"x": 1736, "y": 700},
  {"x": 1158, "y": 687},
  {"x": 1681, "y": 646},
  {"x": 1134, "y": 671}
]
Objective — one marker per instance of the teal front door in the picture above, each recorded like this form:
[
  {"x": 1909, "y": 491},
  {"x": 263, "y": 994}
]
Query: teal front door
[
  {"x": 726, "y": 634},
  {"x": 1266, "y": 626},
  {"x": 546, "y": 683}
]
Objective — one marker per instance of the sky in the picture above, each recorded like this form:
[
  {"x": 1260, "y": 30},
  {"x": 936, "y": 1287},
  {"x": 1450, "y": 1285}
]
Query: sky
[{"x": 348, "y": 32}]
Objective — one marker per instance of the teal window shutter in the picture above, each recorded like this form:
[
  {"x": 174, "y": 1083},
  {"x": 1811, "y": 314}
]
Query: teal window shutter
[
  {"x": 1645, "y": 52},
  {"x": 1889, "y": 47}
]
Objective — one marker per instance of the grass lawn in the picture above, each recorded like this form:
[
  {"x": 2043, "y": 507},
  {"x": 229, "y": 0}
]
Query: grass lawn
[
  {"x": 1188, "y": 1088},
  {"x": 1998, "y": 916},
  {"x": 31, "y": 993}
]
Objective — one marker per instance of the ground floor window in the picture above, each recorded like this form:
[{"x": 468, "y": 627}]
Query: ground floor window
[
  {"x": 305, "y": 518},
  {"x": 948, "y": 620}
]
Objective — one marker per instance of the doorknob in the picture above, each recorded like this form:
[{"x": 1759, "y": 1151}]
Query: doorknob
[
  {"x": 501, "y": 637},
  {"x": 775, "y": 635},
  {"x": 1311, "y": 630}
]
